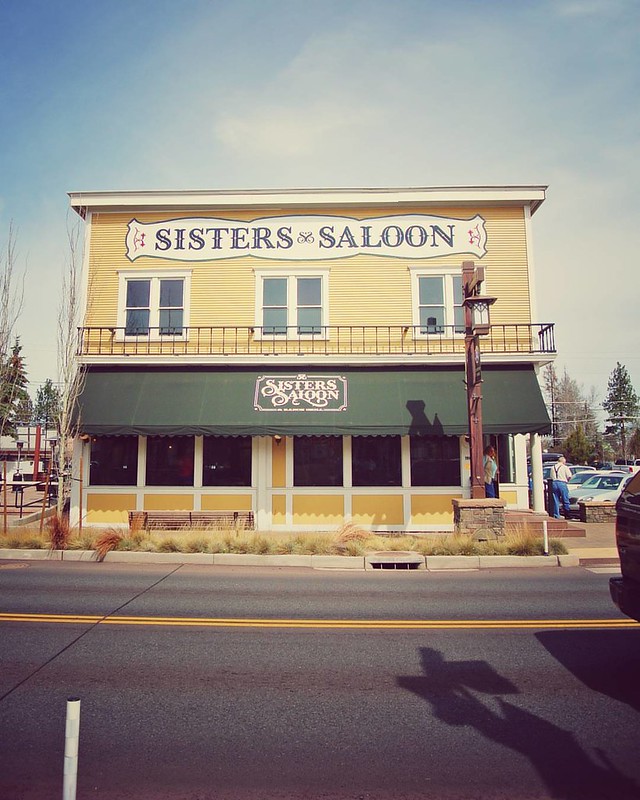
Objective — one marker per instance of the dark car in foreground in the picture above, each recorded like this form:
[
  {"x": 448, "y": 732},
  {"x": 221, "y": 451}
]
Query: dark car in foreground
[{"x": 625, "y": 591}]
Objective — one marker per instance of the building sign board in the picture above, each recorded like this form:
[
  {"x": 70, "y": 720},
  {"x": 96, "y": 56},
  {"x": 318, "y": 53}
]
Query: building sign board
[
  {"x": 307, "y": 237},
  {"x": 300, "y": 392}
]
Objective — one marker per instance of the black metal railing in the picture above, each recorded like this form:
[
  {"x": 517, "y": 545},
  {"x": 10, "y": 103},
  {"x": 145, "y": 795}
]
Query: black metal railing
[{"x": 329, "y": 340}]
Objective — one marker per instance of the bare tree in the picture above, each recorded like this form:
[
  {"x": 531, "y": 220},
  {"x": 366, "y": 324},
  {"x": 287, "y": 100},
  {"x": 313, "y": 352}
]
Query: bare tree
[
  {"x": 11, "y": 299},
  {"x": 70, "y": 372}
]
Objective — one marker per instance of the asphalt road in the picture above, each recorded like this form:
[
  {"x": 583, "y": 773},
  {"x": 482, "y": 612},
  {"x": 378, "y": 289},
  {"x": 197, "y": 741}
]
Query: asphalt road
[{"x": 237, "y": 684}]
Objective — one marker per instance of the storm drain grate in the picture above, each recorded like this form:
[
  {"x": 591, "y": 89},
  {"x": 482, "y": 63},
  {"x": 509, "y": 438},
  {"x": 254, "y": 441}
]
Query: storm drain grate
[{"x": 395, "y": 559}]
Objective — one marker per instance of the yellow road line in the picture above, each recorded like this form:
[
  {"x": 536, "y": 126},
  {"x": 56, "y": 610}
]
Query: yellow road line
[{"x": 352, "y": 624}]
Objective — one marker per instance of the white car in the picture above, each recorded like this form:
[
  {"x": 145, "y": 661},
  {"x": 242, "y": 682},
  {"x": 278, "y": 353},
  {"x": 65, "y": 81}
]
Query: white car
[{"x": 605, "y": 486}]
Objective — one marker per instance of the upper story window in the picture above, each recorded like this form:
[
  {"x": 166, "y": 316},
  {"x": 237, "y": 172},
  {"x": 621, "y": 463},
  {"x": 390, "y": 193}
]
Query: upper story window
[
  {"x": 153, "y": 305},
  {"x": 291, "y": 304},
  {"x": 437, "y": 302}
]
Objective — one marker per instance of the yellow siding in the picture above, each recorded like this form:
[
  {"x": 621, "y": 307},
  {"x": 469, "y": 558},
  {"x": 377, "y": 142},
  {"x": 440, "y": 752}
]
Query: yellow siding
[
  {"x": 317, "y": 509},
  {"x": 362, "y": 290},
  {"x": 377, "y": 509},
  {"x": 168, "y": 502},
  {"x": 226, "y": 502},
  {"x": 279, "y": 463},
  {"x": 432, "y": 509},
  {"x": 109, "y": 508}
]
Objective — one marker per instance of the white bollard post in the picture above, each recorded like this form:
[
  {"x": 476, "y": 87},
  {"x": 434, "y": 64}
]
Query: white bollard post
[
  {"x": 71, "y": 742},
  {"x": 545, "y": 537}
]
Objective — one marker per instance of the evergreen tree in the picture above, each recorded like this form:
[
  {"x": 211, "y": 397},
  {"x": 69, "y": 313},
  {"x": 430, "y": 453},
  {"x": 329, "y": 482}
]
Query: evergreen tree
[
  {"x": 47, "y": 405},
  {"x": 13, "y": 389},
  {"x": 577, "y": 447},
  {"x": 622, "y": 405}
]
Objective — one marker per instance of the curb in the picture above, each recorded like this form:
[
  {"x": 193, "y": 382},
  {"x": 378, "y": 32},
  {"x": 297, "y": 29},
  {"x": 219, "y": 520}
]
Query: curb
[{"x": 388, "y": 560}]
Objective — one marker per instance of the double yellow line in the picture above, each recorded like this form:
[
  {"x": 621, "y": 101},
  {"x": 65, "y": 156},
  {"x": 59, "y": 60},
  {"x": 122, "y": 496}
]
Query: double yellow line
[{"x": 344, "y": 624}]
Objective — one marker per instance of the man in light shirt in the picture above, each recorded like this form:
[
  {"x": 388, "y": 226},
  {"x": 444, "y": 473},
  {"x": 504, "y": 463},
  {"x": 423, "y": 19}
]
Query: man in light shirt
[{"x": 561, "y": 474}]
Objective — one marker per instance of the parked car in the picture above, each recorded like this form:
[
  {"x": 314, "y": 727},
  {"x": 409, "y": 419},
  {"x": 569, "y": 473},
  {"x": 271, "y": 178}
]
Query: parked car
[
  {"x": 578, "y": 478},
  {"x": 625, "y": 591},
  {"x": 575, "y": 468},
  {"x": 605, "y": 486},
  {"x": 630, "y": 465}
]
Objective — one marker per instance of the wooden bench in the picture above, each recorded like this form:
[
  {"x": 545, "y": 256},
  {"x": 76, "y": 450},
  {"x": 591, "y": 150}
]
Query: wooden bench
[{"x": 179, "y": 520}]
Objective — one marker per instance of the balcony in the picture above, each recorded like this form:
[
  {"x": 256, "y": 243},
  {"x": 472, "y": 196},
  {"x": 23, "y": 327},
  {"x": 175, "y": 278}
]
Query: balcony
[{"x": 332, "y": 340}]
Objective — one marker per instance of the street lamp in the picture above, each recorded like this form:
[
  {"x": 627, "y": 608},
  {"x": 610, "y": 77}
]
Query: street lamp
[{"x": 477, "y": 323}]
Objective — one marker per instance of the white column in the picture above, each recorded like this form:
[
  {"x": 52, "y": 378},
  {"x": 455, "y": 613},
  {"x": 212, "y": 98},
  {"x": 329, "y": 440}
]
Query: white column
[{"x": 536, "y": 472}]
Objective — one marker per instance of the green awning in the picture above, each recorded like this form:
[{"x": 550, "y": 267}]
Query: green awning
[{"x": 320, "y": 401}]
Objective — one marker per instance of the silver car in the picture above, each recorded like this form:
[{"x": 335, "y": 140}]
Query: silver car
[{"x": 605, "y": 486}]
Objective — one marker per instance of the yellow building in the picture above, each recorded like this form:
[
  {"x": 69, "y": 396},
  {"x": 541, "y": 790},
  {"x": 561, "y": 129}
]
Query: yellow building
[{"x": 300, "y": 354}]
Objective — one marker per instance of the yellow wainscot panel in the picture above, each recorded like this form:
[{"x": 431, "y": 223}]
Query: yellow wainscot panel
[
  {"x": 377, "y": 509},
  {"x": 168, "y": 502},
  {"x": 312, "y": 509},
  {"x": 432, "y": 509},
  {"x": 226, "y": 502},
  {"x": 109, "y": 508},
  {"x": 509, "y": 497},
  {"x": 279, "y": 462},
  {"x": 279, "y": 509}
]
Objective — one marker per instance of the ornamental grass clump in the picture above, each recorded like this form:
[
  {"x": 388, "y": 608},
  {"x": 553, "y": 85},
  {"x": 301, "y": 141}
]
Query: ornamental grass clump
[
  {"x": 107, "y": 541},
  {"x": 58, "y": 531}
]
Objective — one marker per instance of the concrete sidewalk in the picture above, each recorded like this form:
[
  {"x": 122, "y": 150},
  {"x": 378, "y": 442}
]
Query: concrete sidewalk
[{"x": 598, "y": 546}]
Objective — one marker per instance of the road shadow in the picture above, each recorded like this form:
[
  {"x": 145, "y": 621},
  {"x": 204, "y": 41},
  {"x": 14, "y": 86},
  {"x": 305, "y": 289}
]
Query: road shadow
[
  {"x": 568, "y": 772},
  {"x": 606, "y": 661}
]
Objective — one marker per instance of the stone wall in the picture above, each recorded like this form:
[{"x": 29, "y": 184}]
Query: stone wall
[
  {"x": 481, "y": 518},
  {"x": 594, "y": 511}
]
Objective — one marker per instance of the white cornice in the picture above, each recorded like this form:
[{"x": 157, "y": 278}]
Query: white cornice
[{"x": 284, "y": 199}]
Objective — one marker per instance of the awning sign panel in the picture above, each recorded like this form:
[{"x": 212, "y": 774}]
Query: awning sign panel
[
  {"x": 300, "y": 393},
  {"x": 307, "y": 237}
]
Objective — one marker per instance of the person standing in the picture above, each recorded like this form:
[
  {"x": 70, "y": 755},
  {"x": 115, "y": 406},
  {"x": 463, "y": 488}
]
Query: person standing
[
  {"x": 561, "y": 474},
  {"x": 490, "y": 471}
]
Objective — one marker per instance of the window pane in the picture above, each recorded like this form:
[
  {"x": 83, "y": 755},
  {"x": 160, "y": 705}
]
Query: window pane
[
  {"x": 435, "y": 461},
  {"x": 309, "y": 291},
  {"x": 317, "y": 461},
  {"x": 137, "y": 322},
  {"x": 275, "y": 320},
  {"x": 226, "y": 461},
  {"x": 458, "y": 319},
  {"x": 376, "y": 461},
  {"x": 171, "y": 322},
  {"x": 431, "y": 319},
  {"x": 309, "y": 320},
  {"x": 431, "y": 291},
  {"x": 138, "y": 294},
  {"x": 458, "y": 295},
  {"x": 274, "y": 292},
  {"x": 171, "y": 293},
  {"x": 114, "y": 461},
  {"x": 170, "y": 460}
]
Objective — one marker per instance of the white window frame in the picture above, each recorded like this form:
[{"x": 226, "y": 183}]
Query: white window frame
[
  {"x": 448, "y": 276},
  {"x": 292, "y": 304},
  {"x": 154, "y": 276}
]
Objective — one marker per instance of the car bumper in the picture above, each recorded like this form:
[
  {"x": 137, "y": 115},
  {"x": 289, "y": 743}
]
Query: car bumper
[{"x": 626, "y": 595}]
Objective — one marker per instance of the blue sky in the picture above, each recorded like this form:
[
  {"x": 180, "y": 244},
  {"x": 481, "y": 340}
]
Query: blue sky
[{"x": 209, "y": 94}]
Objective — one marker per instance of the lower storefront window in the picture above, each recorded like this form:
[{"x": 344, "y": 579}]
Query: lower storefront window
[
  {"x": 435, "y": 460},
  {"x": 114, "y": 461},
  {"x": 317, "y": 461},
  {"x": 226, "y": 461},
  {"x": 170, "y": 461},
  {"x": 376, "y": 461}
]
